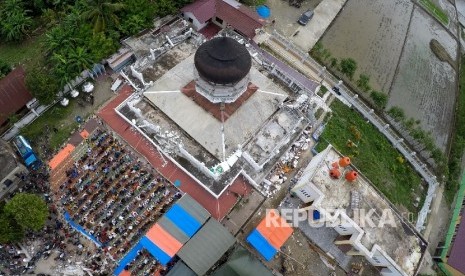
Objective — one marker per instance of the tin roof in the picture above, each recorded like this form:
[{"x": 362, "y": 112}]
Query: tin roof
[
  {"x": 14, "y": 94},
  {"x": 181, "y": 269},
  {"x": 206, "y": 247},
  {"x": 242, "y": 263},
  {"x": 457, "y": 253},
  {"x": 240, "y": 17}
]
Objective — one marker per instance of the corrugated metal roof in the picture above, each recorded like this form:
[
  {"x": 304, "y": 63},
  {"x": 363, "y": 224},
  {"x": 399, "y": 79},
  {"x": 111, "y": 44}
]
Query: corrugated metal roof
[
  {"x": 206, "y": 247},
  {"x": 241, "y": 19},
  {"x": 242, "y": 263},
  {"x": 202, "y": 9},
  {"x": 13, "y": 93},
  {"x": 234, "y": 13},
  {"x": 181, "y": 269},
  {"x": 193, "y": 208},
  {"x": 171, "y": 228},
  {"x": 457, "y": 253}
]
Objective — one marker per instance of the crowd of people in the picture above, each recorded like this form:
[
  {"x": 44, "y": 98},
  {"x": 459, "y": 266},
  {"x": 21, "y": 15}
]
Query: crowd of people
[
  {"x": 54, "y": 239},
  {"x": 144, "y": 264},
  {"x": 114, "y": 196}
]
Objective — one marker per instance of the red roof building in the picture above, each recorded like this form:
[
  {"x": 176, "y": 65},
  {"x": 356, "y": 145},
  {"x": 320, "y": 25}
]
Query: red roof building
[
  {"x": 13, "y": 94},
  {"x": 223, "y": 13}
]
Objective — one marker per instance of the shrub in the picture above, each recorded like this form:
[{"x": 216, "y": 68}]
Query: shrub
[
  {"x": 363, "y": 82},
  {"x": 333, "y": 62},
  {"x": 379, "y": 99},
  {"x": 397, "y": 113},
  {"x": 348, "y": 67}
]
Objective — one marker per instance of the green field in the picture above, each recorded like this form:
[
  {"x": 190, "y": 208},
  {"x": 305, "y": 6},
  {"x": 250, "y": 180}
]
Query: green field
[
  {"x": 437, "y": 12},
  {"x": 26, "y": 52},
  {"x": 373, "y": 155}
]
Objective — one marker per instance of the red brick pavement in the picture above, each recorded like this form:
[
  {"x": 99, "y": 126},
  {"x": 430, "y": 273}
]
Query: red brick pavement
[{"x": 218, "y": 208}]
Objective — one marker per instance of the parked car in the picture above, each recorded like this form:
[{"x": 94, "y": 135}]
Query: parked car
[
  {"x": 305, "y": 17},
  {"x": 336, "y": 89}
]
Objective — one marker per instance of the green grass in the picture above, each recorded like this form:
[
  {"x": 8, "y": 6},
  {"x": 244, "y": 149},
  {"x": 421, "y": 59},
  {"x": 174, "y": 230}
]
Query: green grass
[
  {"x": 56, "y": 117},
  {"x": 437, "y": 12},
  {"x": 374, "y": 156},
  {"x": 26, "y": 52},
  {"x": 322, "y": 91},
  {"x": 458, "y": 140}
]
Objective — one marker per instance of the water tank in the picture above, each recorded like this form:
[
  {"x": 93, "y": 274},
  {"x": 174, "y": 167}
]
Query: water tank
[
  {"x": 334, "y": 173},
  {"x": 344, "y": 161},
  {"x": 351, "y": 176}
]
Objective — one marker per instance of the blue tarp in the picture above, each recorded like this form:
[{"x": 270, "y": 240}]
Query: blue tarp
[
  {"x": 261, "y": 245},
  {"x": 183, "y": 220},
  {"x": 31, "y": 159},
  {"x": 156, "y": 252},
  {"x": 316, "y": 215},
  {"x": 81, "y": 230},
  {"x": 264, "y": 11},
  {"x": 131, "y": 255}
]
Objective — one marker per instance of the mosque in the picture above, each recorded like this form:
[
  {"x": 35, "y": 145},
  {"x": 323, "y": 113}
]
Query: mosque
[{"x": 217, "y": 116}]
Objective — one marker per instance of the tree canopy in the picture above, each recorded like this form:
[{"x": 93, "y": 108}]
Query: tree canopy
[
  {"x": 41, "y": 84},
  {"x": 102, "y": 13},
  {"x": 348, "y": 67},
  {"x": 15, "y": 20},
  {"x": 77, "y": 34},
  {"x": 10, "y": 231},
  {"x": 28, "y": 210}
]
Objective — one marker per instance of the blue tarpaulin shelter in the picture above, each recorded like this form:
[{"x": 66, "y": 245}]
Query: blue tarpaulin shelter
[
  {"x": 183, "y": 220},
  {"x": 261, "y": 245},
  {"x": 264, "y": 11},
  {"x": 81, "y": 230},
  {"x": 131, "y": 255},
  {"x": 156, "y": 252}
]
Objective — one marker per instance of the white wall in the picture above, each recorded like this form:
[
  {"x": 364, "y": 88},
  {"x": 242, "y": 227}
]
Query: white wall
[
  {"x": 197, "y": 25},
  {"x": 306, "y": 193},
  {"x": 215, "y": 20},
  {"x": 220, "y": 93}
]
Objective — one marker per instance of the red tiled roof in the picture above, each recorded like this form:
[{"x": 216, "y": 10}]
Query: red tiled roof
[
  {"x": 13, "y": 93},
  {"x": 241, "y": 18},
  {"x": 457, "y": 253}
]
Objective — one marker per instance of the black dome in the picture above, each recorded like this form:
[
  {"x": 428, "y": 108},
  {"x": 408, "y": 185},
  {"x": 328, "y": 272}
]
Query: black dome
[{"x": 222, "y": 60}]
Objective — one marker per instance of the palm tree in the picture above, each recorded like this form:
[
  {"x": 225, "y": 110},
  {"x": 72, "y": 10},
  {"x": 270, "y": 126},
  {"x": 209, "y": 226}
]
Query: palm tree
[
  {"x": 63, "y": 70},
  {"x": 59, "y": 40},
  {"x": 80, "y": 59},
  {"x": 102, "y": 12},
  {"x": 14, "y": 23}
]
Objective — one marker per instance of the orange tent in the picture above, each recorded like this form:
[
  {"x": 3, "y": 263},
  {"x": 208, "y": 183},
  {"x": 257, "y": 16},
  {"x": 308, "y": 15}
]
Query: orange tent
[
  {"x": 164, "y": 240},
  {"x": 84, "y": 134},
  {"x": 61, "y": 156},
  {"x": 275, "y": 229},
  {"x": 125, "y": 273}
]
